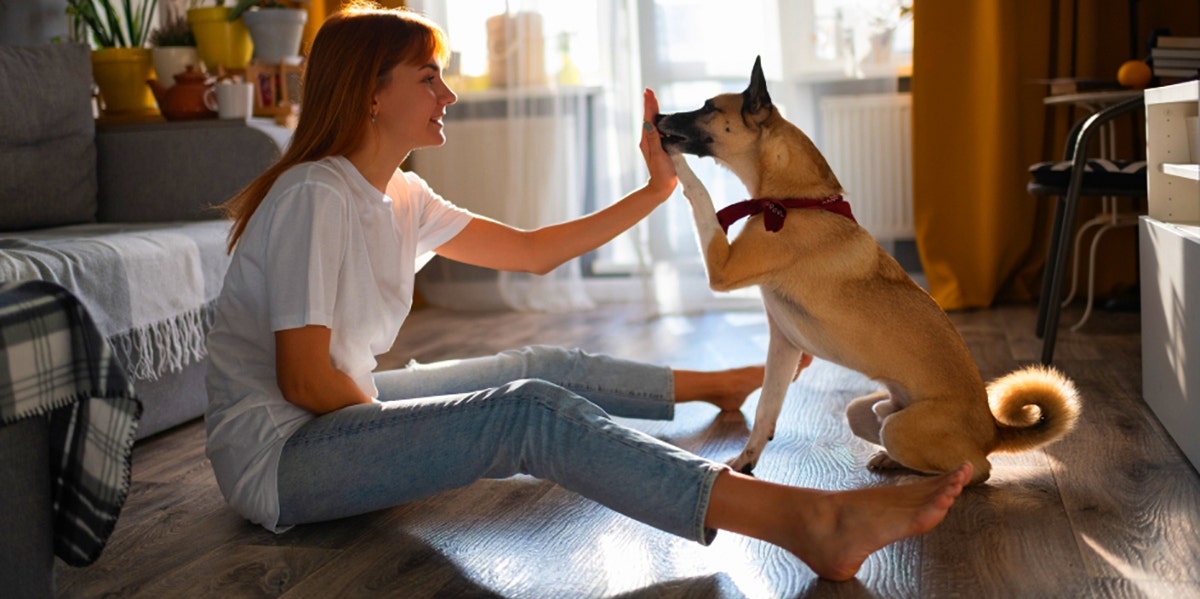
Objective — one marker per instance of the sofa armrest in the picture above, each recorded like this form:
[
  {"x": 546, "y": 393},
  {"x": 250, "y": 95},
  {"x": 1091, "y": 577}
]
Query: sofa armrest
[{"x": 179, "y": 170}]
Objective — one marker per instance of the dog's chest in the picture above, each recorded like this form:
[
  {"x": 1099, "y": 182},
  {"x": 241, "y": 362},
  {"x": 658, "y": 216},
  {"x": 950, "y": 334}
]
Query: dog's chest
[{"x": 793, "y": 320}]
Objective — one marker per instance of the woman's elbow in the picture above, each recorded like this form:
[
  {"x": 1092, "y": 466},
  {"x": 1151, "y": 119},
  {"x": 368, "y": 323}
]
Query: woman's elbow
[
  {"x": 300, "y": 393},
  {"x": 539, "y": 254}
]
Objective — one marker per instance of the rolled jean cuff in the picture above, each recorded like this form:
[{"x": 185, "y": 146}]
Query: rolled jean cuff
[{"x": 701, "y": 533}]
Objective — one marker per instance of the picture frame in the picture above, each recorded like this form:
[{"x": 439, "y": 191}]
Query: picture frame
[{"x": 277, "y": 87}]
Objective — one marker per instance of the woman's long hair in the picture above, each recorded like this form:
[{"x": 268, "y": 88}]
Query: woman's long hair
[{"x": 351, "y": 59}]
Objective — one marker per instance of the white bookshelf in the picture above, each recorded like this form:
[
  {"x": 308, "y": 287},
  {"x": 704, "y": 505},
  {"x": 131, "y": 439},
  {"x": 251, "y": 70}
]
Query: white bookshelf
[
  {"x": 1169, "y": 244},
  {"x": 1173, "y": 177}
]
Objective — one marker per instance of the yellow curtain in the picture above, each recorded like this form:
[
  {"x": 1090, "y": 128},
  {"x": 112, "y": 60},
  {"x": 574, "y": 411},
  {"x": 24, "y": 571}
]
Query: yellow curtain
[
  {"x": 318, "y": 10},
  {"x": 979, "y": 122}
]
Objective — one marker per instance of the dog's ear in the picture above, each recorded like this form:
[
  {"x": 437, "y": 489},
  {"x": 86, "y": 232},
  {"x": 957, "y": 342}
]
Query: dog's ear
[{"x": 756, "y": 98}]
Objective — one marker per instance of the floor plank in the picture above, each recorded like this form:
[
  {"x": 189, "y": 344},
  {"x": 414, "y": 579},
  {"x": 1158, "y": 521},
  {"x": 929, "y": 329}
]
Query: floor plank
[{"x": 1112, "y": 510}]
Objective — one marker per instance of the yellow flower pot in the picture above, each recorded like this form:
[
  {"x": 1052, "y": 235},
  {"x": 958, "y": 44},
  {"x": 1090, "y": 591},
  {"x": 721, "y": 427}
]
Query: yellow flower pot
[
  {"x": 221, "y": 44},
  {"x": 121, "y": 75}
]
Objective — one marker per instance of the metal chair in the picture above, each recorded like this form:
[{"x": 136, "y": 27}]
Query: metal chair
[{"x": 1079, "y": 175}]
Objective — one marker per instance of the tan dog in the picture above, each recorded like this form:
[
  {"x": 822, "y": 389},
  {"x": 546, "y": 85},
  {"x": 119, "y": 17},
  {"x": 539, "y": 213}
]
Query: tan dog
[{"x": 829, "y": 290}]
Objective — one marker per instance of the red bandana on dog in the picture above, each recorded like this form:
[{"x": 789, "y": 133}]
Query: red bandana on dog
[{"x": 774, "y": 211}]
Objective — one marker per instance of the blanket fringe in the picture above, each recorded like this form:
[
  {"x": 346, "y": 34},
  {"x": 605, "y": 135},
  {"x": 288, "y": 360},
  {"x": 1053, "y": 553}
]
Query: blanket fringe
[{"x": 150, "y": 352}]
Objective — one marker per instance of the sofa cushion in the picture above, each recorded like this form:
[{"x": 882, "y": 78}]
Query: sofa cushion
[{"x": 47, "y": 137}]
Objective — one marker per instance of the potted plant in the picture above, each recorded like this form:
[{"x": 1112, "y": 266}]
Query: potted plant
[
  {"x": 276, "y": 27},
  {"x": 121, "y": 63},
  {"x": 173, "y": 46},
  {"x": 222, "y": 42},
  {"x": 882, "y": 26}
]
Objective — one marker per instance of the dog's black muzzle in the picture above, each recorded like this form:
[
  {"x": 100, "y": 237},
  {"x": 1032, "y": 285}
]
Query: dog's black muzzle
[{"x": 680, "y": 133}]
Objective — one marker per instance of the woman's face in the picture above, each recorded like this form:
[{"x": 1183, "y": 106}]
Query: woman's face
[{"x": 410, "y": 107}]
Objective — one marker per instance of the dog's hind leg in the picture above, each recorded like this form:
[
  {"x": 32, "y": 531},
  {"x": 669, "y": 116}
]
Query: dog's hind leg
[
  {"x": 782, "y": 358},
  {"x": 924, "y": 438},
  {"x": 864, "y": 417}
]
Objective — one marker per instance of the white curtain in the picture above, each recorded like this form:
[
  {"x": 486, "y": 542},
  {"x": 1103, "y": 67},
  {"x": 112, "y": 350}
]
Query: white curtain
[
  {"x": 532, "y": 143},
  {"x": 545, "y": 100}
]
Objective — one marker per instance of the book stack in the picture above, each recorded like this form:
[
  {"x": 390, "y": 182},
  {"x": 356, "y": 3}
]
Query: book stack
[{"x": 1177, "y": 57}]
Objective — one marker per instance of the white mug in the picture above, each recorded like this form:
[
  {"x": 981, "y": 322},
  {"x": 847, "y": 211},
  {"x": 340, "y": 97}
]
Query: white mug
[{"x": 233, "y": 100}]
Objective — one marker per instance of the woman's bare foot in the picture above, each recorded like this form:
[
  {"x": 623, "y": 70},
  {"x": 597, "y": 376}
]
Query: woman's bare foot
[
  {"x": 832, "y": 532},
  {"x": 854, "y": 524},
  {"x": 726, "y": 389}
]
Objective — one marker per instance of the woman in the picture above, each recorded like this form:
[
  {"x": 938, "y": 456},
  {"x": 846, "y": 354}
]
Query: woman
[{"x": 324, "y": 248}]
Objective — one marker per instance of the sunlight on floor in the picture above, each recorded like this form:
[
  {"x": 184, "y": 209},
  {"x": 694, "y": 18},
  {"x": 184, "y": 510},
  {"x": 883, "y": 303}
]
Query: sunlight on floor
[
  {"x": 733, "y": 554},
  {"x": 629, "y": 565},
  {"x": 678, "y": 325},
  {"x": 633, "y": 566},
  {"x": 1133, "y": 574}
]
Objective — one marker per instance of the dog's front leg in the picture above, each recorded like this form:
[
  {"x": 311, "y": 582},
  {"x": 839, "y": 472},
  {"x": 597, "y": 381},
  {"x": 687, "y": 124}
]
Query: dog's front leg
[
  {"x": 703, "y": 210},
  {"x": 713, "y": 241},
  {"x": 780, "y": 370}
]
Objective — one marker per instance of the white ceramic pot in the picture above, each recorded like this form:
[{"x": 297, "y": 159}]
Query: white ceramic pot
[
  {"x": 172, "y": 60},
  {"x": 276, "y": 32}
]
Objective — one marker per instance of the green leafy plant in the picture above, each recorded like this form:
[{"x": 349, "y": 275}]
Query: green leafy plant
[
  {"x": 175, "y": 32},
  {"x": 112, "y": 24},
  {"x": 244, "y": 5}
]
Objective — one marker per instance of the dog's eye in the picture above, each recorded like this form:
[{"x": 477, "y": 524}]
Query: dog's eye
[{"x": 709, "y": 106}]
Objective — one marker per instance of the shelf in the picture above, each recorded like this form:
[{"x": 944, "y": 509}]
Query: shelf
[
  {"x": 1095, "y": 98},
  {"x": 1181, "y": 92},
  {"x": 1173, "y": 178},
  {"x": 1189, "y": 231},
  {"x": 1170, "y": 321},
  {"x": 1186, "y": 171},
  {"x": 1169, "y": 250}
]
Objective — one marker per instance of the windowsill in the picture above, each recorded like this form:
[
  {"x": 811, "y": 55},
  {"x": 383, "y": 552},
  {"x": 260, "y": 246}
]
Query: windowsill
[
  {"x": 881, "y": 71},
  {"x": 527, "y": 92}
]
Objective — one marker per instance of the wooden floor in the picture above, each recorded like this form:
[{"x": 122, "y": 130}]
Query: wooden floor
[{"x": 1111, "y": 511}]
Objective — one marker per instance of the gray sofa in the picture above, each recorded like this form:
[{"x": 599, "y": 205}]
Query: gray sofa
[{"x": 122, "y": 216}]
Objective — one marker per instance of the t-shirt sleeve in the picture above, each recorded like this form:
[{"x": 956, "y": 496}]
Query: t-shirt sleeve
[
  {"x": 306, "y": 246},
  {"x": 438, "y": 220}
]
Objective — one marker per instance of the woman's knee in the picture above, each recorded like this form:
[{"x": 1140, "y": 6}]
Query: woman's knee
[
  {"x": 551, "y": 397},
  {"x": 547, "y": 361}
]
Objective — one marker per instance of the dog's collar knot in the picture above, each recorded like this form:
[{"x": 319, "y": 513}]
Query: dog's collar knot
[{"x": 775, "y": 210}]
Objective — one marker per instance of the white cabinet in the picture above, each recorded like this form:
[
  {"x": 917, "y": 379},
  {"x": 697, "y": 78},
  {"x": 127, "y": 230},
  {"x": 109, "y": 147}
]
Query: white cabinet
[{"x": 1169, "y": 244}]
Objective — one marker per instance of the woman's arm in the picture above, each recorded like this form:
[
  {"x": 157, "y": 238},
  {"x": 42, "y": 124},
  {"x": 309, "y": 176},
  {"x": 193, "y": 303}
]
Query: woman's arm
[
  {"x": 491, "y": 244},
  {"x": 305, "y": 374}
]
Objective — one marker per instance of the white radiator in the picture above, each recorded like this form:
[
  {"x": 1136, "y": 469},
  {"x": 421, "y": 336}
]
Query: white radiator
[
  {"x": 867, "y": 140},
  {"x": 525, "y": 170}
]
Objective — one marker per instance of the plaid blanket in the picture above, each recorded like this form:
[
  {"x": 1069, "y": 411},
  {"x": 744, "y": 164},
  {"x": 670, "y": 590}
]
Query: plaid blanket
[
  {"x": 150, "y": 287},
  {"x": 55, "y": 364}
]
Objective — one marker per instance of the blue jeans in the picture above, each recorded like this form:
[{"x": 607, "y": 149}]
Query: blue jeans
[{"x": 541, "y": 410}]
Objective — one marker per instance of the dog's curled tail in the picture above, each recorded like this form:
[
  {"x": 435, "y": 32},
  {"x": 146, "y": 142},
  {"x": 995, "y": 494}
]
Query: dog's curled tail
[{"x": 1033, "y": 406}]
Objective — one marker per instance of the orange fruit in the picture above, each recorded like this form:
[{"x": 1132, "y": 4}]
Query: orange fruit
[{"x": 1135, "y": 74}]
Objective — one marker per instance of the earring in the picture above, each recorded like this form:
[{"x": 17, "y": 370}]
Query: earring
[{"x": 372, "y": 118}]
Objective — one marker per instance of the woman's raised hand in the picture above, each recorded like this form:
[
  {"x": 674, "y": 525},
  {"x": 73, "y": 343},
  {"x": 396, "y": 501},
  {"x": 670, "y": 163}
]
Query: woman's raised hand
[{"x": 662, "y": 171}]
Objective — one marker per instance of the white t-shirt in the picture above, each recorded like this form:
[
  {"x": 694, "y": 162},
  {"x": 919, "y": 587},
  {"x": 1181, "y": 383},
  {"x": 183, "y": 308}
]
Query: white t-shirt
[{"x": 323, "y": 248}]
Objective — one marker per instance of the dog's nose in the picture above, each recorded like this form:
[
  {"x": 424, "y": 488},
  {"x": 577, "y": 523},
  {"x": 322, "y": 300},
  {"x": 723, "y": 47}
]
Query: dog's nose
[{"x": 658, "y": 118}]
